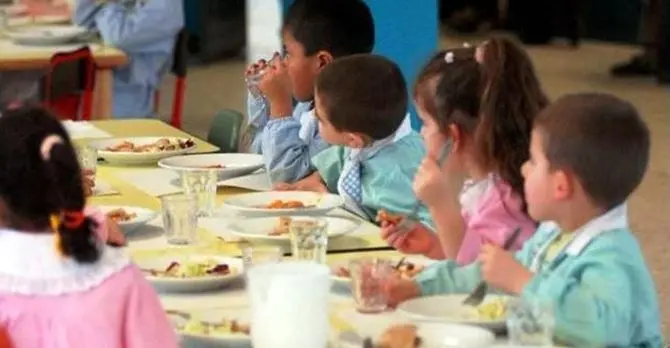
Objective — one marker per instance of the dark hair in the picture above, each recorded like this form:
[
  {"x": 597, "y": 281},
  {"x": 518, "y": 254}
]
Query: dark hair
[
  {"x": 601, "y": 139},
  {"x": 494, "y": 95},
  {"x": 363, "y": 93},
  {"x": 33, "y": 188},
  {"x": 341, "y": 27}
]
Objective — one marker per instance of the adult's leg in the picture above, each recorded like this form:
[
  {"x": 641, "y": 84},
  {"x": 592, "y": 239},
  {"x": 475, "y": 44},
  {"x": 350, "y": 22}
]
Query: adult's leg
[{"x": 645, "y": 63}]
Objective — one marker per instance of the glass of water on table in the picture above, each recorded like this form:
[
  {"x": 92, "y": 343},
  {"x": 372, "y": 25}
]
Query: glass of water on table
[
  {"x": 88, "y": 161},
  {"x": 309, "y": 238},
  {"x": 180, "y": 219},
  {"x": 202, "y": 185},
  {"x": 530, "y": 323}
]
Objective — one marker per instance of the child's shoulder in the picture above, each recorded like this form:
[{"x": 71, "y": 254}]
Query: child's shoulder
[{"x": 408, "y": 150}]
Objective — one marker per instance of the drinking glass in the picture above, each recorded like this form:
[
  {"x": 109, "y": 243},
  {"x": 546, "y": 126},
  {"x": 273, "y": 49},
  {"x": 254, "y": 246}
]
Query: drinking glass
[
  {"x": 259, "y": 255},
  {"x": 180, "y": 219},
  {"x": 368, "y": 276},
  {"x": 530, "y": 323},
  {"x": 88, "y": 160},
  {"x": 201, "y": 184},
  {"x": 309, "y": 239}
]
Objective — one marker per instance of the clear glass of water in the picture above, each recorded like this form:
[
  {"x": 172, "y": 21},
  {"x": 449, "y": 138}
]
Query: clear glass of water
[
  {"x": 254, "y": 255},
  {"x": 530, "y": 323},
  {"x": 309, "y": 238},
  {"x": 88, "y": 160},
  {"x": 252, "y": 82},
  {"x": 201, "y": 184},
  {"x": 368, "y": 277},
  {"x": 180, "y": 219}
]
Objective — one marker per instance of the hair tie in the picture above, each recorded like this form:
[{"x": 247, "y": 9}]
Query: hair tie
[
  {"x": 48, "y": 144},
  {"x": 449, "y": 57},
  {"x": 73, "y": 219}
]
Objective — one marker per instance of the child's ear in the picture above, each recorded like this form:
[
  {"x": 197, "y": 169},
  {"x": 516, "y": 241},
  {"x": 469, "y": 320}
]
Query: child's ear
[
  {"x": 355, "y": 141},
  {"x": 456, "y": 135},
  {"x": 563, "y": 184},
  {"x": 323, "y": 58}
]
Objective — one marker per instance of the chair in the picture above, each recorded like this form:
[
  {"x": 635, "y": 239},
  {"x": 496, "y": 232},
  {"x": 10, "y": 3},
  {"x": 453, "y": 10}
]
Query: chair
[
  {"x": 224, "y": 131},
  {"x": 69, "y": 83},
  {"x": 179, "y": 70}
]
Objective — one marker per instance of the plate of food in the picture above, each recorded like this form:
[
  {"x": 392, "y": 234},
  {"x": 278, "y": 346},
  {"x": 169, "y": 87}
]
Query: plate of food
[
  {"x": 276, "y": 228},
  {"x": 212, "y": 327},
  {"x": 227, "y": 165},
  {"x": 277, "y": 203},
  {"x": 491, "y": 314},
  {"x": 141, "y": 150},
  {"x": 191, "y": 273},
  {"x": 129, "y": 218},
  {"x": 383, "y": 334},
  {"x": 40, "y": 35},
  {"x": 405, "y": 267}
]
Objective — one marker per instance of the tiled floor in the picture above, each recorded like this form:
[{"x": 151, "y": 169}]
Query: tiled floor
[{"x": 562, "y": 70}]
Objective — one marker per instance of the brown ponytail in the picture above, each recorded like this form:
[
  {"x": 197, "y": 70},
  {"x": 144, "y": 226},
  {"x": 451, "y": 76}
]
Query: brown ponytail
[{"x": 494, "y": 95}]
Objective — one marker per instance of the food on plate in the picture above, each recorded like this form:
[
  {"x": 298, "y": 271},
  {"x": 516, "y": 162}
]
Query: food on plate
[
  {"x": 405, "y": 269},
  {"x": 120, "y": 215},
  {"x": 214, "y": 166},
  {"x": 400, "y": 336},
  {"x": 280, "y": 204},
  {"x": 282, "y": 227},
  {"x": 384, "y": 216},
  {"x": 224, "y": 327},
  {"x": 160, "y": 145},
  {"x": 494, "y": 310},
  {"x": 210, "y": 267}
]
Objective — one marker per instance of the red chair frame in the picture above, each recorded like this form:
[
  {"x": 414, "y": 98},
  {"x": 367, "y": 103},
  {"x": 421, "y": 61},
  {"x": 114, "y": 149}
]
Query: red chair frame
[{"x": 77, "y": 102}]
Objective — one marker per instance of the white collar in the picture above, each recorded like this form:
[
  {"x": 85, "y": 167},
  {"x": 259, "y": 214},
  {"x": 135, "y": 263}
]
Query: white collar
[
  {"x": 30, "y": 265},
  {"x": 403, "y": 130},
  {"x": 615, "y": 218}
]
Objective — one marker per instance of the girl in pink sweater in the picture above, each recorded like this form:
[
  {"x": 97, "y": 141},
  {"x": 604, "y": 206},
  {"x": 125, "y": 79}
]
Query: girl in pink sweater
[{"x": 60, "y": 285}]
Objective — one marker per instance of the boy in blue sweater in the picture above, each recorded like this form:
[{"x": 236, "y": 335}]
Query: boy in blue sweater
[{"x": 588, "y": 154}]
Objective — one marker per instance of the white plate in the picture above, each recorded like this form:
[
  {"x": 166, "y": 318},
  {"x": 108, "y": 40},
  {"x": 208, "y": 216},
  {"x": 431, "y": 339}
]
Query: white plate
[
  {"x": 45, "y": 34},
  {"x": 259, "y": 228},
  {"x": 450, "y": 309},
  {"x": 253, "y": 203},
  {"x": 134, "y": 158},
  {"x": 144, "y": 216},
  {"x": 236, "y": 164},
  {"x": 193, "y": 284},
  {"x": 417, "y": 260},
  {"x": 213, "y": 316},
  {"x": 434, "y": 335}
]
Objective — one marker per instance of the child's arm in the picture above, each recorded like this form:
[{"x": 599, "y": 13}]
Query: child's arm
[
  {"x": 312, "y": 182},
  {"x": 257, "y": 109},
  {"x": 146, "y": 324},
  {"x": 329, "y": 164},
  {"x": 132, "y": 30}
]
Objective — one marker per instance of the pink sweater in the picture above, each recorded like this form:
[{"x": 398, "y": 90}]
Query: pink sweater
[
  {"x": 491, "y": 211},
  {"x": 51, "y": 302}
]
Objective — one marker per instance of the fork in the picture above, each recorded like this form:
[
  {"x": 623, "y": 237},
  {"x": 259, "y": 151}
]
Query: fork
[
  {"x": 476, "y": 297},
  {"x": 408, "y": 223}
]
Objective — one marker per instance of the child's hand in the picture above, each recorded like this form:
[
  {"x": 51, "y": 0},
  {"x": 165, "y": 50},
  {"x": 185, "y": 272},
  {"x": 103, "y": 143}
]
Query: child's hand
[
  {"x": 434, "y": 185},
  {"x": 113, "y": 233},
  {"x": 312, "y": 182},
  {"x": 501, "y": 270},
  {"x": 255, "y": 68},
  {"x": 399, "y": 290},
  {"x": 417, "y": 241},
  {"x": 276, "y": 84},
  {"x": 88, "y": 183}
]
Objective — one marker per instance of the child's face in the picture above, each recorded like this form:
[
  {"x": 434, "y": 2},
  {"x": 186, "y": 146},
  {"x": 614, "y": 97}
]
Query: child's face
[
  {"x": 540, "y": 182},
  {"x": 328, "y": 132},
  {"x": 433, "y": 137},
  {"x": 301, "y": 69}
]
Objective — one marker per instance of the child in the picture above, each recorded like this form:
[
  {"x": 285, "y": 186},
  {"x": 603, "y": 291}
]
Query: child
[
  {"x": 59, "y": 286},
  {"x": 588, "y": 154},
  {"x": 315, "y": 32},
  {"x": 483, "y": 100},
  {"x": 146, "y": 30},
  {"x": 376, "y": 152}
]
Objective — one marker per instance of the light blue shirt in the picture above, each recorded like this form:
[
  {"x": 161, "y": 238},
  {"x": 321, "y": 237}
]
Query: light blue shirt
[
  {"x": 146, "y": 31},
  {"x": 287, "y": 144},
  {"x": 386, "y": 178},
  {"x": 600, "y": 287}
]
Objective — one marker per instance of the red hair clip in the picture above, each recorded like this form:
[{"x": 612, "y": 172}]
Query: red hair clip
[{"x": 73, "y": 219}]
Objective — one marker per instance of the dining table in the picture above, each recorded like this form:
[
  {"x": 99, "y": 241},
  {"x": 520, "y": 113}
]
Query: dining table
[
  {"x": 127, "y": 186},
  {"x": 17, "y": 57}
]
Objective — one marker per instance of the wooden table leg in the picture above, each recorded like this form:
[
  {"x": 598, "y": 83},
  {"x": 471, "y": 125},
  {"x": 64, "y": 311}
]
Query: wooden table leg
[{"x": 103, "y": 95}]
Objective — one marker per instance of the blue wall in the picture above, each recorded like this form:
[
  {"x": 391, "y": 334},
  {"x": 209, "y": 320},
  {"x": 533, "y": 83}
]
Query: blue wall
[{"x": 406, "y": 32}]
